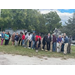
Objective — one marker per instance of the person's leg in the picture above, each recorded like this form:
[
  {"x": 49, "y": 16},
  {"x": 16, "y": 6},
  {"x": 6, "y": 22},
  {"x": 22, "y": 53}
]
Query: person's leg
[
  {"x": 1, "y": 41},
  {"x": 47, "y": 45},
  {"x": 32, "y": 44},
  {"x": 52, "y": 46},
  {"x": 65, "y": 48},
  {"x": 5, "y": 42},
  {"x": 29, "y": 43}
]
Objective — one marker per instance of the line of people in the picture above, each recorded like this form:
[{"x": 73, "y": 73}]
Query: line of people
[{"x": 33, "y": 41}]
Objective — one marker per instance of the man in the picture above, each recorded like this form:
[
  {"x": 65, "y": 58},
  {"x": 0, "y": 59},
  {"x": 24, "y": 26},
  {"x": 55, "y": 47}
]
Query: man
[
  {"x": 65, "y": 44},
  {"x": 54, "y": 43},
  {"x": 16, "y": 39},
  {"x": 48, "y": 40},
  {"x": 69, "y": 44},
  {"x": 26, "y": 40},
  {"x": 9, "y": 36},
  {"x": 2, "y": 37},
  {"x": 62, "y": 46},
  {"x": 20, "y": 39},
  {"x": 44, "y": 42},
  {"x": 59, "y": 41},
  {"x": 33, "y": 40}
]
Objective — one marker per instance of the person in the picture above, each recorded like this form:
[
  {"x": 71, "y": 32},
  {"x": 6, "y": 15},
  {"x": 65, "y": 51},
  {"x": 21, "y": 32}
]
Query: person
[
  {"x": 9, "y": 36},
  {"x": 33, "y": 40},
  {"x": 62, "y": 46},
  {"x": 30, "y": 40},
  {"x": 48, "y": 40},
  {"x": 6, "y": 38},
  {"x": 23, "y": 39},
  {"x": 69, "y": 44},
  {"x": 13, "y": 38},
  {"x": 20, "y": 39},
  {"x": 16, "y": 39},
  {"x": 65, "y": 44},
  {"x": 26, "y": 40},
  {"x": 54, "y": 43},
  {"x": 37, "y": 42},
  {"x": 44, "y": 42},
  {"x": 59, "y": 41},
  {"x": 39, "y": 38},
  {"x": 2, "y": 37}
]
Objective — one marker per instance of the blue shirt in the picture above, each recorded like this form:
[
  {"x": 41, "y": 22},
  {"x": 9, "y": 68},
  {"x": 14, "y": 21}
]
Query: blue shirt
[
  {"x": 2, "y": 35},
  {"x": 59, "y": 40}
]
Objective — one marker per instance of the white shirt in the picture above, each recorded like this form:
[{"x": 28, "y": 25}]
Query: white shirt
[{"x": 30, "y": 37}]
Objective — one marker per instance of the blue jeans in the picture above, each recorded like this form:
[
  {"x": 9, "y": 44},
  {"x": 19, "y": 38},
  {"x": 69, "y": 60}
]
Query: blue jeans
[
  {"x": 33, "y": 46},
  {"x": 22, "y": 42},
  {"x": 54, "y": 47}
]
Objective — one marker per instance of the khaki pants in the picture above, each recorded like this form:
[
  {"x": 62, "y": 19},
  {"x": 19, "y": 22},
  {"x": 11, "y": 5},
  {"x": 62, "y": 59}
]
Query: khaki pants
[{"x": 65, "y": 48}]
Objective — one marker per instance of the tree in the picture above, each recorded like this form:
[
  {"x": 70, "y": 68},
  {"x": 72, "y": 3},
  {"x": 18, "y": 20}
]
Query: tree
[
  {"x": 69, "y": 28},
  {"x": 52, "y": 21}
]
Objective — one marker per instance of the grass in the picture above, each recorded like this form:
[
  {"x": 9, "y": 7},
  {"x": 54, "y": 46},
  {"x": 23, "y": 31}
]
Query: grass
[{"x": 19, "y": 50}]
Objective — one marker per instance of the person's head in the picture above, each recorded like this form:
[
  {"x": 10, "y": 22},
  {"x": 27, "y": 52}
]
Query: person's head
[
  {"x": 33, "y": 33},
  {"x": 48, "y": 34},
  {"x": 29, "y": 33},
  {"x": 64, "y": 34},
  {"x": 3, "y": 32},
  {"x": 22, "y": 33},
  {"x": 59, "y": 36},
  {"x": 70, "y": 36},
  {"x": 16, "y": 33}
]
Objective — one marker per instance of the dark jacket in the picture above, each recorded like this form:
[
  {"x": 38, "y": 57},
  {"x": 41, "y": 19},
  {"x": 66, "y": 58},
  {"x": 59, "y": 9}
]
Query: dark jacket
[
  {"x": 44, "y": 40},
  {"x": 48, "y": 39},
  {"x": 66, "y": 40},
  {"x": 16, "y": 37},
  {"x": 54, "y": 38},
  {"x": 33, "y": 37}
]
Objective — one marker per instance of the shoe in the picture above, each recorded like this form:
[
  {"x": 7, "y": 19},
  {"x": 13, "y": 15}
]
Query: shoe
[
  {"x": 46, "y": 50},
  {"x": 36, "y": 50},
  {"x": 42, "y": 49}
]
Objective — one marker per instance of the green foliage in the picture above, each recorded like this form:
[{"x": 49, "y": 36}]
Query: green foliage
[
  {"x": 29, "y": 19},
  {"x": 70, "y": 26}
]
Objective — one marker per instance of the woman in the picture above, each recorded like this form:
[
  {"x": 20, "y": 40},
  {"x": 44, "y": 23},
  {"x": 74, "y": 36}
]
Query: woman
[
  {"x": 23, "y": 39},
  {"x": 30, "y": 40},
  {"x": 6, "y": 38},
  {"x": 2, "y": 37},
  {"x": 13, "y": 38}
]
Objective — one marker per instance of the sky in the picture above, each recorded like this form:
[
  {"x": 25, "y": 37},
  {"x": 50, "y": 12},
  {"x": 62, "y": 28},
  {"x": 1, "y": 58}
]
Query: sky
[{"x": 64, "y": 14}]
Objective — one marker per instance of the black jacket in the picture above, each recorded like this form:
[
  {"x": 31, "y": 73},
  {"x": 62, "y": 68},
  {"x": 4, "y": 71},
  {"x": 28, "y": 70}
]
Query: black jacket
[{"x": 48, "y": 39}]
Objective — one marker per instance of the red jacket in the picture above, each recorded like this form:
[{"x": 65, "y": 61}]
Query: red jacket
[
  {"x": 36, "y": 38},
  {"x": 23, "y": 37}
]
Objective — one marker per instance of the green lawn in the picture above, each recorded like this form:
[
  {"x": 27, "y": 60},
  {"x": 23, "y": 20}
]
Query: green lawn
[{"x": 19, "y": 50}]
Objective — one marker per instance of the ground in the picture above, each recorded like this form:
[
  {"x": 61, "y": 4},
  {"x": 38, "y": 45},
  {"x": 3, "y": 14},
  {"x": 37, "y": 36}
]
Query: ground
[
  {"x": 9, "y": 59},
  {"x": 11, "y": 55}
]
